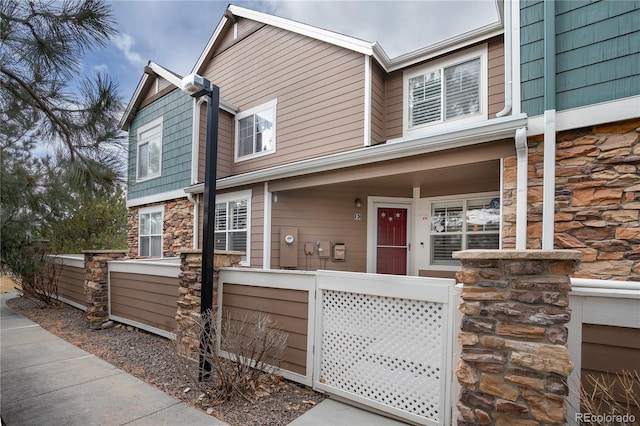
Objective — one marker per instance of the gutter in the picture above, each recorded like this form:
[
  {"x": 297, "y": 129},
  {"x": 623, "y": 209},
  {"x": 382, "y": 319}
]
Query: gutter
[{"x": 485, "y": 131}]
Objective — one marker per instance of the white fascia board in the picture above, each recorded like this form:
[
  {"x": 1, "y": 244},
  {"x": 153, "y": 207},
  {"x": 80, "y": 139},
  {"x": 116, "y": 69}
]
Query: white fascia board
[
  {"x": 486, "y": 131},
  {"x": 357, "y": 45},
  {"x": 156, "y": 198},
  {"x": 166, "y": 74},
  {"x": 590, "y": 115},
  {"x": 128, "y": 111}
]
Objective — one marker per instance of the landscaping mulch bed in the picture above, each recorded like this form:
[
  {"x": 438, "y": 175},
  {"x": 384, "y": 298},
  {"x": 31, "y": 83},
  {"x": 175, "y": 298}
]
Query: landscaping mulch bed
[{"x": 153, "y": 359}]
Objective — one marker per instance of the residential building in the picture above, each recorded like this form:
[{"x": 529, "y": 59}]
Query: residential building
[{"x": 331, "y": 155}]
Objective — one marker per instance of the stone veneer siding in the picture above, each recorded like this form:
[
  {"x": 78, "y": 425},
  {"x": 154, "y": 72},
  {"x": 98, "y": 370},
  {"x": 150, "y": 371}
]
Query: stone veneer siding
[
  {"x": 177, "y": 228},
  {"x": 96, "y": 286},
  {"x": 597, "y": 198},
  {"x": 189, "y": 291},
  {"x": 514, "y": 361}
]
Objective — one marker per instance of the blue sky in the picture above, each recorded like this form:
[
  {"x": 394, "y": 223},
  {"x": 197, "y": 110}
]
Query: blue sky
[{"x": 173, "y": 33}]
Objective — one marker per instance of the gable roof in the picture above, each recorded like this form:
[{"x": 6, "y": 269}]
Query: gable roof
[
  {"x": 355, "y": 44},
  {"x": 364, "y": 47},
  {"x": 152, "y": 71}
]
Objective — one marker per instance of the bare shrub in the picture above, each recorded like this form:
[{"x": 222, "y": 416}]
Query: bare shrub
[
  {"x": 242, "y": 353},
  {"x": 40, "y": 281},
  {"x": 610, "y": 396}
]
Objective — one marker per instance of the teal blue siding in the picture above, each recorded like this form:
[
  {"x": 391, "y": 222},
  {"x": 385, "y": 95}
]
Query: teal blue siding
[
  {"x": 176, "y": 110},
  {"x": 597, "y": 53},
  {"x": 531, "y": 56}
]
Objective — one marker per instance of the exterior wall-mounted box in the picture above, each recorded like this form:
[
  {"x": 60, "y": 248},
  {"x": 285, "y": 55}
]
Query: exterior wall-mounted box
[{"x": 288, "y": 247}]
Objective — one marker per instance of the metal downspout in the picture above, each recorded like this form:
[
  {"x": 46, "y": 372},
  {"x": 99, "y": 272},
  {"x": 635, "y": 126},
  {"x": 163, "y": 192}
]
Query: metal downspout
[
  {"x": 508, "y": 67},
  {"x": 195, "y": 158},
  {"x": 549, "y": 176},
  {"x": 521, "y": 188},
  {"x": 521, "y": 134}
]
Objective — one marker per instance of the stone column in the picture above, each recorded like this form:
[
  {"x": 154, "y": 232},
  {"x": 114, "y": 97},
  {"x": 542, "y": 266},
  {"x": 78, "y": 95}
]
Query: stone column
[
  {"x": 514, "y": 361},
  {"x": 189, "y": 292},
  {"x": 96, "y": 287}
]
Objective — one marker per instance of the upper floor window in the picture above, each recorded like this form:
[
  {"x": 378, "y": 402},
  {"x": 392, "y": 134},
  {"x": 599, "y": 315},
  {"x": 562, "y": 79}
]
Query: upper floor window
[
  {"x": 150, "y": 231},
  {"x": 256, "y": 131},
  {"x": 451, "y": 90},
  {"x": 232, "y": 223},
  {"x": 150, "y": 150}
]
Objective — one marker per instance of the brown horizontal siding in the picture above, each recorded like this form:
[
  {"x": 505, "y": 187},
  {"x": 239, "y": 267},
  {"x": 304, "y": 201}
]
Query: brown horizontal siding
[
  {"x": 496, "y": 76},
  {"x": 288, "y": 309},
  {"x": 377, "y": 104},
  {"x": 321, "y": 214},
  {"x": 257, "y": 226},
  {"x": 607, "y": 350},
  {"x": 393, "y": 105},
  {"x": 147, "y": 299},
  {"x": 71, "y": 284},
  {"x": 225, "y": 143},
  {"x": 319, "y": 88}
]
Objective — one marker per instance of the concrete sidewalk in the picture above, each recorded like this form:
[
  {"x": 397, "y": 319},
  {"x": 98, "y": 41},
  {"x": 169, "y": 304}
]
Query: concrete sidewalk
[{"x": 45, "y": 380}]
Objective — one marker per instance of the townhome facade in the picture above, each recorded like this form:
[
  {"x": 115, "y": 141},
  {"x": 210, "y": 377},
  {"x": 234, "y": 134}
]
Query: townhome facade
[
  {"x": 333, "y": 156},
  {"x": 576, "y": 73}
]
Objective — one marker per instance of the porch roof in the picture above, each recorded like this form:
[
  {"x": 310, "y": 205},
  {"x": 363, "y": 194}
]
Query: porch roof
[{"x": 487, "y": 131}]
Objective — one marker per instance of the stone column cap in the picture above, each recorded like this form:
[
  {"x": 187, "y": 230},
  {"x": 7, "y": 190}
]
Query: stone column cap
[{"x": 518, "y": 254}]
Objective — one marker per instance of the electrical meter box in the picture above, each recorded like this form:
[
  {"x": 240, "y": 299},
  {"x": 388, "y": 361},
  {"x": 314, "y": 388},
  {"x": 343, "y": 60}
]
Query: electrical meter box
[
  {"x": 324, "y": 249},
  {"x": 288, "y": 247}
]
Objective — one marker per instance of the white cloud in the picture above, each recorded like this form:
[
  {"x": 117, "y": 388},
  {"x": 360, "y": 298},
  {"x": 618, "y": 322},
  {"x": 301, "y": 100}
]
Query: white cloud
[
  {"x": 102, "y": 68},
  {"x": 124, "y": 42},
  {"x": 399, "y": 26}
]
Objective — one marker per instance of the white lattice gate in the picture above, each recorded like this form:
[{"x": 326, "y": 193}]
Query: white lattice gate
[{"x": 386, "y": 341}]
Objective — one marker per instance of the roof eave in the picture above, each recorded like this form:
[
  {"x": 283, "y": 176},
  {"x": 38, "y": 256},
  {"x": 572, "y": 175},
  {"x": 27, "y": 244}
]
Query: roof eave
[{"x": 486, "y": 131}]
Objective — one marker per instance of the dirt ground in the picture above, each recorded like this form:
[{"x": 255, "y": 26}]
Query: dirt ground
[{"x": 6, "y": 284}]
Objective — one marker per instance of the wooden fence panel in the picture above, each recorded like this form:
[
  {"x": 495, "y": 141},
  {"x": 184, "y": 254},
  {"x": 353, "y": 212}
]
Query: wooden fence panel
[{"x": 144, "y": 295}]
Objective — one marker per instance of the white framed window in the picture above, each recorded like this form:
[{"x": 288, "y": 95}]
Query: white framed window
[
  {"x": 149, "y": 150},
  {"x": 256, "y": 131},
  {"x": 150, "y": 225},
  {"x": 233, "y": 223},
  {"x": 472, "y": 222},
  {"x": 447, "y": 92}
]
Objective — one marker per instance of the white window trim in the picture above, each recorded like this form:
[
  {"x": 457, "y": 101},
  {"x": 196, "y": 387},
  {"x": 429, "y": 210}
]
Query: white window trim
[
  {"x": 147, "y": 210},
  {"x": 479, "y": 51},
  {"x": 141, "y": 129},
  {"x": 243, "y": 114},
  {"x": 235, "y": 196},
  {"x": 463, "y": 197}
]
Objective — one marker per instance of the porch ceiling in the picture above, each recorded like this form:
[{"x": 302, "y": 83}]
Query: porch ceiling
[
  {"x": 483, "y": 176},
  {"x": 455, "y": 171}
]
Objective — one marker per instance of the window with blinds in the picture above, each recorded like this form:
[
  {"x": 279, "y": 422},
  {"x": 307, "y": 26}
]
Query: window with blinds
[
  {"x": 231, "y": 225},
  {"x": 449, "y": 91},
  {"x": 433, "y": 99},
  {"x": 463, "y": 224}
]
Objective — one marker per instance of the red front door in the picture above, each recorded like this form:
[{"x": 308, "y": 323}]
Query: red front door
[{"x": 391, "y": 245}]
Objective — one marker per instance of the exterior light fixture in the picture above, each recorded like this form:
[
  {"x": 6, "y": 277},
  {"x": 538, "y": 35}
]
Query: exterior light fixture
[
  {"x": 198, "y": 86},
  {"x": 358, "y": 203}
]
